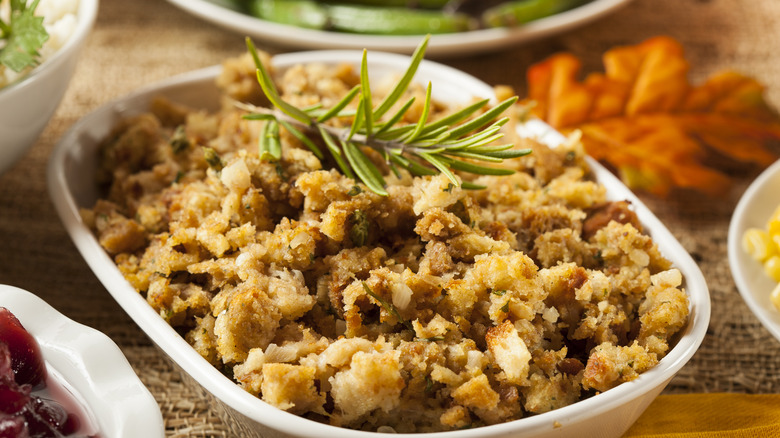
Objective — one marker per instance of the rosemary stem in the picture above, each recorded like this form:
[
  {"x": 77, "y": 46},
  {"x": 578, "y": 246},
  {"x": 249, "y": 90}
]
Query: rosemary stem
[{"x": 340, "y": 133}]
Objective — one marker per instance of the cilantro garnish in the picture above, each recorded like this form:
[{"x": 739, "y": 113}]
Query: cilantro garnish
[{"x": 22, "y": 36}]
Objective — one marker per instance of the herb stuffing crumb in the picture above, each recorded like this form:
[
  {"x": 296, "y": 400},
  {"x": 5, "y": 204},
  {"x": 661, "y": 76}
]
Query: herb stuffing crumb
[{"x": 432, "y": 308}]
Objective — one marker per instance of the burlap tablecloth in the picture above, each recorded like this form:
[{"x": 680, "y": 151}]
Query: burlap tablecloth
[{"x": 138, "y": 42}]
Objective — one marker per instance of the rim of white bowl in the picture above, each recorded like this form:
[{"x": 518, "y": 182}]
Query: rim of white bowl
[
  {"x": 212, "y": 380},
  {"x": 85, "y": 20}
]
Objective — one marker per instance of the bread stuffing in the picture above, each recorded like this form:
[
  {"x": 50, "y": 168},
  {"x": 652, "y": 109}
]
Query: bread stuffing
[{"x": 432, "y": 308}]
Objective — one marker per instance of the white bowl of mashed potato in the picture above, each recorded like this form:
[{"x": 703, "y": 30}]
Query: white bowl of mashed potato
[
  {"x": 29, "y": 97},
  {"x": 495, "y": 321}
]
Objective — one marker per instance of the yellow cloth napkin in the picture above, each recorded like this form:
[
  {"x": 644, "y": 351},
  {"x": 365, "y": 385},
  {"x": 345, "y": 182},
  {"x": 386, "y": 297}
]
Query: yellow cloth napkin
[{"x": 710, "y": 416}]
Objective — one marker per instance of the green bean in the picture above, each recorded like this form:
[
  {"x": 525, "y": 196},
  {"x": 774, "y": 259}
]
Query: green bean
[
  {"x": 301, "y": 13},
  {"x": 514, "y": 13},
  {"x": 395, "y": 21},
  {"x": 426, "y": 4},
  {"x": 359, "y": 18}
]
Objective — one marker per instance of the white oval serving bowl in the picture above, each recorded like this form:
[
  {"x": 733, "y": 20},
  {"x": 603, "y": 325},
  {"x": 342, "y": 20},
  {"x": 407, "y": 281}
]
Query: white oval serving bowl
[
  {"x": 71, "y": 186},
  {"x": 90, "y": 367},
  {"x": 753, "y": 211},
  {"x": 27, "y": 105}
]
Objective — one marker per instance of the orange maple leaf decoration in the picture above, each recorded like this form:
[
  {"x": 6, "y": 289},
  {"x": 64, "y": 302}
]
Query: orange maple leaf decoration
[{"x": 644, "y": 119}]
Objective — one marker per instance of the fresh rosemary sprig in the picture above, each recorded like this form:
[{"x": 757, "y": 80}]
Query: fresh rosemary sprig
[{"x": 452, "y": 143}]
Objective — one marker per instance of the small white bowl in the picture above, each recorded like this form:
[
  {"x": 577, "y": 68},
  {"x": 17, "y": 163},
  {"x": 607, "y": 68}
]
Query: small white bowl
[
  {"x": 71, "y": 186},
  {"x": 27, "y": 105},
  {"x": 753, "y": 211},
  {"x": 90, "y": 367}
]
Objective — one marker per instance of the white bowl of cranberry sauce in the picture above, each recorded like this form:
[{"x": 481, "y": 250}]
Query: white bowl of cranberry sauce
[{"x": 61, "y": 378}]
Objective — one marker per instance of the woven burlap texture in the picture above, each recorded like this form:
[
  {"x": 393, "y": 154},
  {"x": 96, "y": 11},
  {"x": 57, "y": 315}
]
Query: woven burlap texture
[{"x": 137, "y": 43}]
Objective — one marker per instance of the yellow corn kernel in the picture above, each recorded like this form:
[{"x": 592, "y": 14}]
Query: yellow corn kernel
[
  {"x": 757, "y": 243},
  {"x": 773, "y": 228},
  {"x": 772, "y": 267},
  {"x": 775, "y": 297},
  {"x": 775, "y": 215}
]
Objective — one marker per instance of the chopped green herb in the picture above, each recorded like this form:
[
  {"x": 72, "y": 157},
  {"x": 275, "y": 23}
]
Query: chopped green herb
[
  {"x": 359, "y": 231},
  {"x": 23, "y": 36},
  {"x": 179, "y": 141},
  {"x": 279, "y": 170},
  {"x": 354, "y": 191},
  {"x": 428, "y": 384},
  {"x": 212, "y": 158}
]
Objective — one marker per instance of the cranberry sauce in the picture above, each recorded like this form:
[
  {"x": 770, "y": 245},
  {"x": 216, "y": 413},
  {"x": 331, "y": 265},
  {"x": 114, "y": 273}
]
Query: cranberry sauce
[
  {"x": 27, "y": 408},
  {"x": 26, "y": 358}
]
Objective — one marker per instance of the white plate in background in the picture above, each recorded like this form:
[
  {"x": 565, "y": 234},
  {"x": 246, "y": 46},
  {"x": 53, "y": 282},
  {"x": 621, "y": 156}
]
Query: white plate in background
[{"x": 455, "y": 44}]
